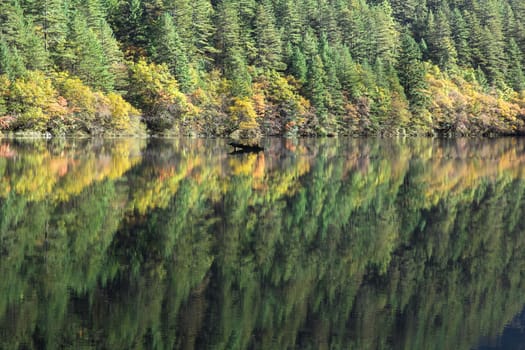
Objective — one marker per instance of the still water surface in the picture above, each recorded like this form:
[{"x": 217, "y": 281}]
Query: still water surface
[{"x": 313, "y": 244}]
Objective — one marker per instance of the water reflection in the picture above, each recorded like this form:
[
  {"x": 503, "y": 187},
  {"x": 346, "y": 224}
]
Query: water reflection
[
  {"x": 163, "y": 244},
  {"x": 512, "y": 337}
]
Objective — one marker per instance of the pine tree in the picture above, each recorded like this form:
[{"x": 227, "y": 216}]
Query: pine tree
[
  {"x": 113, "y": 55},
  {"x": 86, "y": 57},
  {"x": 181, "y": 12},
  {"x": 170, "y": 50},
  {"x": 298, "y": 67},
  {"x": 132, "y": 27},
  {"x": 334, "y": 101},
  {"x": 385, "y": 34},
  {"x": 11, "y": 63},
  {"x": 292, "y": 23},
  {"x": 96, "y": 13},
  {"x": 267, "y": 39},
  {"x": 460, "y": 35},
  {"x": 56, "y": 29},
  {"x": 345, "y": 67},
  {"x": 494, "y": 42},
  {"x": 357, "y": 35},
  {"x": 412, "y": 74},
  {"x": 202, "y": 29},
  {"x": 315, "y": 88},
  {"x": 515, "y": 75},
  {"x": 439, "y": 40},
  {"x": 237, "y": 71},
  {"x": 228, "y": 35},
  {"x": 492, "y": 61},
  {"x": 475, "y": 39},
  {"x": 404, "y": 11},
  {"x": 19, "y": 32},
  {"x": 310, "y": 44}
]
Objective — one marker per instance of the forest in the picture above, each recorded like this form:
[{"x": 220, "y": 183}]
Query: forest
[
  {"x": 250, "y": 68},
  {"x": 330, "y": 244}
]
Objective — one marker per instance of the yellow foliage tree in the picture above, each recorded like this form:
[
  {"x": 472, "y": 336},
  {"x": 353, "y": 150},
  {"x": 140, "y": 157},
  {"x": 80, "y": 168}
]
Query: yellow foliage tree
[
  {"x": 243, "y": 112},
  {"x": 154, "y": 90},
  {"x": 34, "y": 102}
]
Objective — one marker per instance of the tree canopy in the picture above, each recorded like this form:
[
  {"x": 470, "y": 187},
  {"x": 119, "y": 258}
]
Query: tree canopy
[{"x": 355, "y": 67}]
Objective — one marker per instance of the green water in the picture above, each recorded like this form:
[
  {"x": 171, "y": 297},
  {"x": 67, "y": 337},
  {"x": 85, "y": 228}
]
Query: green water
[{"x": 313, "y": 244}]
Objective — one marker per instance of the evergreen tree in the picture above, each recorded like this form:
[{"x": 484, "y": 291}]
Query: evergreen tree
[
  {"x": 404, "y": 10},
  {"x": 346, "y": 69},
  {"x": 131, "y": 26},
  {"x": 334, "y": 100},
  {"x": 412, "y": 74},
  {"x": 182, "y": 14},
  {"x": 298, "y": 67},
  {"x": 439, "y": 40},
  {"x": 460, "y": 35},
  {"x": 515, "y": 74},
  {"x": 494, "y": 42},
  {"x": 11, "y": 63},
  {"x": 475, "y": 39},
  {"x": 348, "y": 57},
  {"x": 292, "y": 23},
  {"x": 267, "y": 39},
  {"x": 357, "y": 34},
  {"x": 315, "y": 88},
  {"x": 385, "y": 34},
  {"x": 86, "y": 57},
  {"x": 95, "y": 13},
  {"x": 228, "y": 37},
  {"x": 202, "y": 29},
  {"x": 237, "y": 71},
  {"x": 19, "y": 32},
  {"x": 170, "y": 50}
]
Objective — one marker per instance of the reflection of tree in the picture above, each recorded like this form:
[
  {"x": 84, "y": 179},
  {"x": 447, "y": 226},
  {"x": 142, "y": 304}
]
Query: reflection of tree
[{"x": 329, "y": 244}]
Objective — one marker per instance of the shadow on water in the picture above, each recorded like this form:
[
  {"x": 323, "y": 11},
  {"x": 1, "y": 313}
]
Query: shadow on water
[
  {"x": 310, "y": 244},
  {"x": 512, "y": 336}
]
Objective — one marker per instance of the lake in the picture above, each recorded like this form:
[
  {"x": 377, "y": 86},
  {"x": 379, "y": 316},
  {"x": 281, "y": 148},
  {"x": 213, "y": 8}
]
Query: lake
[{"x": 311, "y": 244}]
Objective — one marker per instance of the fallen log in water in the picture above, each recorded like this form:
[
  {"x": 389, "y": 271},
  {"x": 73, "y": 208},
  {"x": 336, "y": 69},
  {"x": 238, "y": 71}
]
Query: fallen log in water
[{"x": 242, "y": 148}]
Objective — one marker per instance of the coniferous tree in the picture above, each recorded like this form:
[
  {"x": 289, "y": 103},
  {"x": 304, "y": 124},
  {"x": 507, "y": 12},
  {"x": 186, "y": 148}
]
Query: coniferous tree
[
  {"x": 333, "y": 87},
  {"x": 19, "y": 32},
  {"x": 439, "y": 40},
  {"x": 412, "y": 74},
  {"x": 228, "y": 37},
  {"x": 460, "y": 35},
  {"x": 95, "y": 13},
  {"x": 53, "y": 18},
  {"x": 315, "y": 87},
  {"x": 237, "y": 71},
  {"x": 11, "y": 63},
  {"x": 357, "y": 33},
  {"x": 85, "y": 55},
  {"x": 494, "y": 42},
  {"x": 131, "y": 26},
  {"x": 267, "y": 39},
  {"x": 292, "y": 23},
  {"x": 297, "y": 66},
  {"x": 475, "y": 38},
  {"x": 404, "y": 10},
  {"x": 181, "y": 12},
  {"x": 170, "y": 50},
  {"x": 385, "y": 34},
  {"x": 202, "y": 29},
  {"x": 515, "y": 74}
]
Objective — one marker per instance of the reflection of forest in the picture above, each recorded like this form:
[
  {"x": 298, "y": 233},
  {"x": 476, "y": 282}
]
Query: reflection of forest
[{"x": 361, "y": 244}]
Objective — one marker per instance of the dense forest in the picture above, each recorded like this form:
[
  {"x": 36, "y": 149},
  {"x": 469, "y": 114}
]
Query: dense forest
[
  {"x": 246, "y": 68},
  {"x": 324, "y": 245}
]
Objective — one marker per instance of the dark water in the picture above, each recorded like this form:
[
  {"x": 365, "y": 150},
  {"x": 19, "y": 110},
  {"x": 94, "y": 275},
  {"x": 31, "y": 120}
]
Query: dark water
[{"x": 316, "y": 244}]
